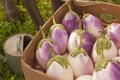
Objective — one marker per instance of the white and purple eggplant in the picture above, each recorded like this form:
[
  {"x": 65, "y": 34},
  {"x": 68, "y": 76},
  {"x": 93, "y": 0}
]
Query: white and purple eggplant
[
  {"x": 42, "y": 51},
  {"x": 105, "y": 69},
  {"x": 105, "y": 45},
  {"x": 113, "y": 31},
  {"x": 87, "y": 40},
  {"x": 80, "y": 62},
  {"x": 93, "y": 25},
  {"x": 71, "y": 20},
  {"x": 59, "y": 35},
  {"x": 58, "y": 68},
  {"x": 84, "y": 77}
]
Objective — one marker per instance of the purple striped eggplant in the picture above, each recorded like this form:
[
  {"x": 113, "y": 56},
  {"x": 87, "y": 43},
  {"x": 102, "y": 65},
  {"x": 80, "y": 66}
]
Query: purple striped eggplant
[
  {"x": 113, "y": 31},
  {"x": 80, "y": 62},
  {"x": 71, "y": 21},
  {"x": 87, "y": 41},
  {"x": 93, "y": 25},
  {"x": 105, "y": 69},
  {"x": 59, "y": 35},
  {"x": 43, "y": 53}
]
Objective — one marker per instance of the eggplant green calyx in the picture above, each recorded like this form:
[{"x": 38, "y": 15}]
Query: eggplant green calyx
[
  {"x": 43, "y": 40},
  {"x": 43, "y": 33},
  {"x": 60, "y": 59},
  {"x": 103, "y": 43},
  {"x": 101, "y": 63},
  {"x": 80, "y": 32},
  {"x": 77, "y": 51},
  {"x": 54, "y": 22}
]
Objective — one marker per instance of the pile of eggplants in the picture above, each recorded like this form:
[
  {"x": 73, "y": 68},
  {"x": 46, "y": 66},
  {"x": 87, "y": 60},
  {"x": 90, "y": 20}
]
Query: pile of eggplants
[{"x": 80, "y": 48}]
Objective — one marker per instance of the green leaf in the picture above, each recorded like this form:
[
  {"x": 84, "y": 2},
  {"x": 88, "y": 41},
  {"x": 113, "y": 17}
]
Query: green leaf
[{"x": 107, "y": 17}]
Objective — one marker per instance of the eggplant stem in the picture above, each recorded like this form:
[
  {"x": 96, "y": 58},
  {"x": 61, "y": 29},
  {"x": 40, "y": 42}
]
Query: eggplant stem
[
  {"x": 51, "y": 52},
  {"x": 54, "y": 22},
  {"x": 43, "y": 33},
  {"x": 80, "y": 28},
  {"x": 85, "y": 15},
  {"x": 80, "y": 37},
  {"x": 69, "y": 7}
]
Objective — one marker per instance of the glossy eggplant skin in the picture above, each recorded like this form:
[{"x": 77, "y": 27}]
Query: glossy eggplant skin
[{"x": 71, "y": 21}]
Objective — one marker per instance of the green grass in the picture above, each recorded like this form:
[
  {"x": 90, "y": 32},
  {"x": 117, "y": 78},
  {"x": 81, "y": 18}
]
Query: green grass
[{"x": 8, "y": 29}]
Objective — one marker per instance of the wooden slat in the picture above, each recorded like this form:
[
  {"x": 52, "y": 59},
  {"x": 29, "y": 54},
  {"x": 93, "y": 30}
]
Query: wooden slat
[{"x": 34, "y": 13}]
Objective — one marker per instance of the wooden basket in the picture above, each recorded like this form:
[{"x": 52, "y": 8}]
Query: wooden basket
[{"x": 96, "y": 8}]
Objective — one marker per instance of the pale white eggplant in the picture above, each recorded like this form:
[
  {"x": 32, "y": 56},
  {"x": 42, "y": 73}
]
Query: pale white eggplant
[
  {"x": 80, "y": 63},
  {"x": 59, "y": 68}
]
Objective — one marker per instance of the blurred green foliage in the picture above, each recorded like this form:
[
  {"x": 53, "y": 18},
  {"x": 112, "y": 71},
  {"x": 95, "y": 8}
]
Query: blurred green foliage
[
  {"x": 46, "y": 10},
  {"x": 8, "y": 29},
  {"x": 116, "y": 1}
]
